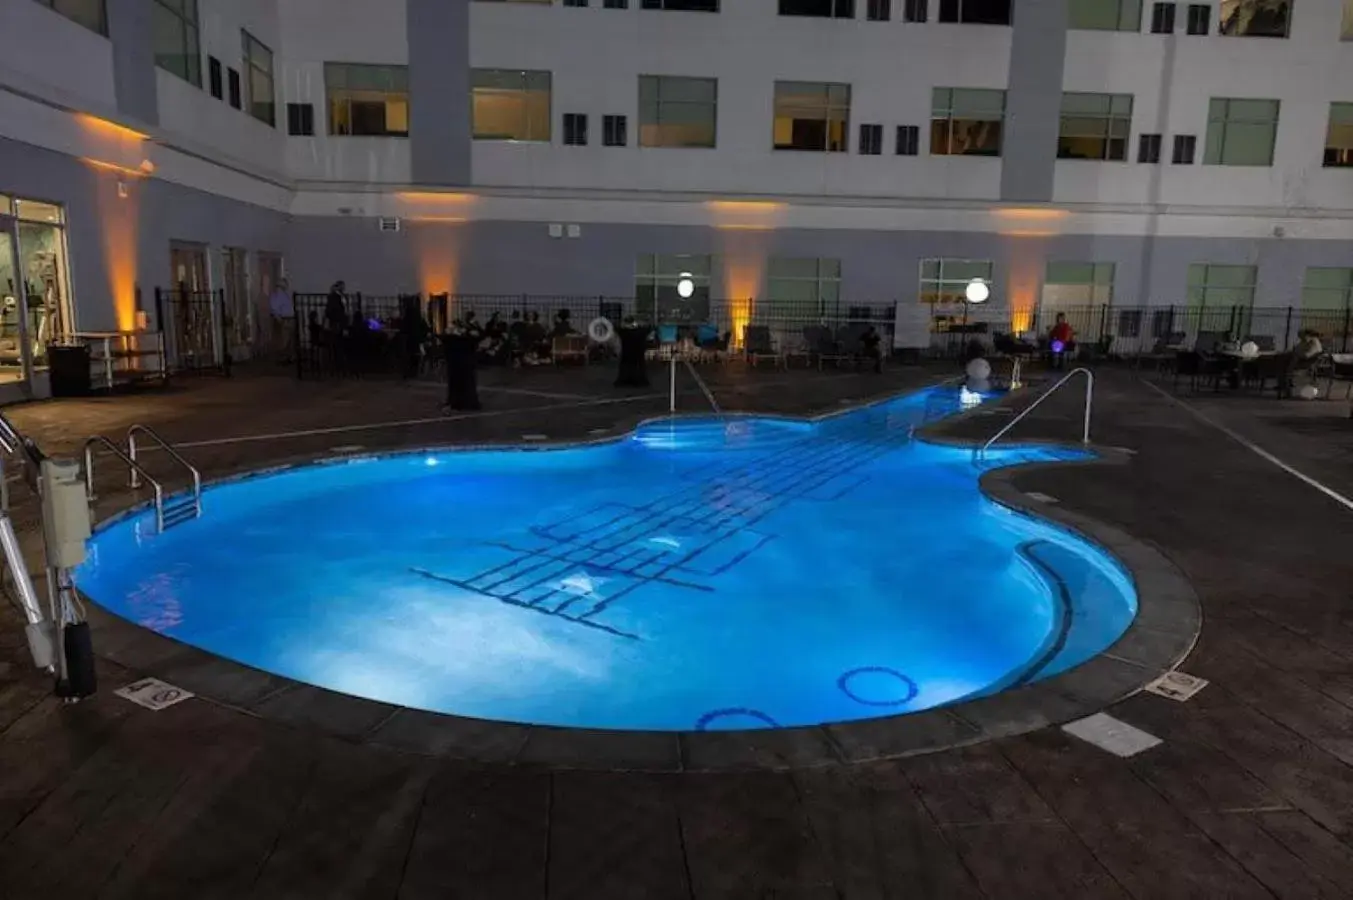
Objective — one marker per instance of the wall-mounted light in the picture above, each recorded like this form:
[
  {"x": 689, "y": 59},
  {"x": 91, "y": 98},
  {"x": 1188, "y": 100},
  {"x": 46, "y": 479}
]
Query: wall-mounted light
[
  {"x": 977, "y": 291},
  {"x": 685, "y": 286}
]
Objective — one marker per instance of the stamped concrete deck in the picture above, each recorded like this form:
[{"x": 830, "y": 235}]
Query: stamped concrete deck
[{"x": 1250, "y": 795}]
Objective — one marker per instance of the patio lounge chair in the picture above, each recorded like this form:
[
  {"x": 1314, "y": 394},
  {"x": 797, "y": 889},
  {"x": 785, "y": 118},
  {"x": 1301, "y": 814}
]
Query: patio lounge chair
[{"x": 758, "y": 345}]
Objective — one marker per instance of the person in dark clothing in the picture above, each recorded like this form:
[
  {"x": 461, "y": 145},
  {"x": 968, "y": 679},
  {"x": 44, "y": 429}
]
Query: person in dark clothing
[
  {"x": 633, "y": 347},
  {"x": 538, "y": 340},
  {"x": 335, "y": 324},
  {"x": 516, "y": 338},
  {"x": 460, "y": 350},
  {"x": 563, "y": 324},
  {"x": 871, "y": 342}
]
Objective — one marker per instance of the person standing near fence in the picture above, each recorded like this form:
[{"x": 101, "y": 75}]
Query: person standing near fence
[{"x": 283, "y": 311}]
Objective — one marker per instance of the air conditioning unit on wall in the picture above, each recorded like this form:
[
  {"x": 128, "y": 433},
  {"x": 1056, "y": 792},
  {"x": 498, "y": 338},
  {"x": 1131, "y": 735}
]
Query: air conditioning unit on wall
[{"x": 389, "y": 224}]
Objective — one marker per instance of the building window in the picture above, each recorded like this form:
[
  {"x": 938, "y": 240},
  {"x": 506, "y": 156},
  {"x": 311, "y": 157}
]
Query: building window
[
  {"x": 1106, "y": 15},
  {"x": 966, "y": 122},
  {"x": 871, "y": 140},
  {"x": 1240, "y": 132},
  {"x": 1162, "y": 18},
  {"x": 175, "y": 40},
  {"x": 614, "y": 131},
  {"x": 1339, "y": 136},
  {"x": 1076, "y": 285},
  {"x": 1184, "y": 145},
  {"x": 682, "y": 5},
  {"x": 656, "y": 277},
  {"x": 616, "y": 4},
  {"x": 575, "y": 129},
  {"x": 908, "y": 140},
  {"x": 575, "y": 2},
  {"x": 678, "y": 112},
  {"x": 1130, "y": 323},
  {"x": 258, "y": 63},
  {"x": 827, "y": 9},
  {"x": 879, "y": 10},
  {"x": 367, "y": 100},
  {"x": 511, "y": 105},
  {"x": 1094, "y": 126},
  {"x": 89, "y": 13},
  {"x": 804, "y": 287},
  {"x": 1255, "y": 18},
  {"x": 301, "y": 119},
  {"x": 1346, "y": 25},
  {"x": 233, "y": 87},
  {"x": 1221, "y": 287},
  {"x": 215, "y": 78},
  {"x": 1326, "y": 299},
  {"x": 976, "y": 12},
  {"x": 1148, "y": 148},
  {"x": 946, "y": 280},
  {"x": 811, "y": 115},
  {"x": 914, "y": 10},
  {"x": 1199, "y": 18}
]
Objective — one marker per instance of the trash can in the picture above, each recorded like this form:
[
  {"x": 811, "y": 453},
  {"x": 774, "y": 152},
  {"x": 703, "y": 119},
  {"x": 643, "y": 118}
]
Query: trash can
[{"x": 69, "y": 372}]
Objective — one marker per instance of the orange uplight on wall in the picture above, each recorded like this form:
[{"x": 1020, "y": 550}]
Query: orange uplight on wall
[
  {"x": 107, "y": 129},
  {"x": 437, "y": 250},
  {"x": 1030, "y": 214},
  {"x": 119, "y": 220},
  {"x": 436, "y": 197},
  {"x": 743, "y": 254},
  {"x": 745, "y": 215},
  {"x": 121, "y": 170},
  {"x": 1025, "y": 277}
]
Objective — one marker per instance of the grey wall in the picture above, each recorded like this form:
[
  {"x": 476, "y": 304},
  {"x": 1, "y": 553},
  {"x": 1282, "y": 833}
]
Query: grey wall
[
  {"x": 103, "y": 227},
  {"x": 439, "y": 91},
  {"x": 521, "y": 258},
  {"x": 1033, "y": 100},
  {"x": 129, "y": 28}
]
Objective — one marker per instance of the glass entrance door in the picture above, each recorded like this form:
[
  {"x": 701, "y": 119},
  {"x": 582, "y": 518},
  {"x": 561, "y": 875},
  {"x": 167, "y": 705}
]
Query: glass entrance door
[
  {"x": 16, "y": 351},
  {"x": 238, "y": 307}
]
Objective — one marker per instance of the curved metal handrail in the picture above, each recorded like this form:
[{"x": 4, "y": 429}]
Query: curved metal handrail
[
  {"x": 99, "y": 440},
  {"x": 1089, "y": 398},
  {"x": 174, "y": 454}
]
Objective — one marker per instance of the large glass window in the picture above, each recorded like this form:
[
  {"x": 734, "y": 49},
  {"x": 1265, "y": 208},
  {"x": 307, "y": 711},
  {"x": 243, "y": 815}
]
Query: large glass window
[
  {"x": 1240, "y": 132},
  {"x": 828, "y": 9},
  {"x": 1339, "y": 136},
  {"x": 946, "y": 280},
  {"x": 259, "y": 80},
  {"x": 175, "y": 40},
  {"x": 800, "y": 287},
  {"x": 1106, "y": 15},
  {"x": 511, "y": 105},
  {"x": 682, "y": 5},
  {"x": 966, "y": 122},
  {"x": 976, "y": 12},
  {"x": 89, "y": 13},
  {"x": 1346, "y": 26},
  {"x": 1094, "y": 126},
  {"x": 41, "y": 267},
  {"x": 1212, "y": 286},
  {"x": 1076, "y": 285},
  {"x": 367, "y": 100},
  {"x": 678, "y": 112},
  {"x": 1326, "y": 299},
  {"x": 811, "y": 115},
  {"x": 656, "y": 277},
  {"x": 1255, "y": 18}
]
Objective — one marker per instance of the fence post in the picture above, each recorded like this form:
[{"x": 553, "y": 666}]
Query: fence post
[
  {"x": 164, "y": 337},
  {"x": 225, "y": 334},
  {"x": 1287, "y": 330},
  {"x": 296, "y": 332}
]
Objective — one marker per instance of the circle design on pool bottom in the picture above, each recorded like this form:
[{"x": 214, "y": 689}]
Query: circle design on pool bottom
[
  {"x": 702, "y": 724},
  {"x": 844, "y": 684}
]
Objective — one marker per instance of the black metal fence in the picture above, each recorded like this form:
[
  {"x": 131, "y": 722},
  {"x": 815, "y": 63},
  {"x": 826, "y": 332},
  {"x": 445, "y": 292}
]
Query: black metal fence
[
  {"x": 366, "y": 335},
  {"x": 196, "y": 329}
]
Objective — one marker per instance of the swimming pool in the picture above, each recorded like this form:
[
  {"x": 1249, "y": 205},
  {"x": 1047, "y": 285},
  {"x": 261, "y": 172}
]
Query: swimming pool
[{"x": 700, "y": 574}]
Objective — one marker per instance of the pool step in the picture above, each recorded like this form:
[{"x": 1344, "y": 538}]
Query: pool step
[{"x": 176, "y": 513}]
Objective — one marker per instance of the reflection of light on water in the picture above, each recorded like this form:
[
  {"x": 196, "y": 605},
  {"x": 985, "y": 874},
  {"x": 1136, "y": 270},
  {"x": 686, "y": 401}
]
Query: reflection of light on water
[
  {"x": 155, "y": 604},
  {"x": 581, "y": 584},
  {"x": 666, "y": 540},
  {"x": 968, "y": 399}
]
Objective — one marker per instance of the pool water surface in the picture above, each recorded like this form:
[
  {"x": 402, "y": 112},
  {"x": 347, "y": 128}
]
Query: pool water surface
[{"x": 697, "y": 574}]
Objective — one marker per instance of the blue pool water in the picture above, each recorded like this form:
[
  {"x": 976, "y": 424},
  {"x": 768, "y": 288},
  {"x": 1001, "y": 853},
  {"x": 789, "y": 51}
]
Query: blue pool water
[{"x": 739, "y": 573}]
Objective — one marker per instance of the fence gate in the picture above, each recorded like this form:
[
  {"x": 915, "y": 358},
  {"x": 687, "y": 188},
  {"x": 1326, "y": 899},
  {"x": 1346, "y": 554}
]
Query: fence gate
[{"x": 196, "y": 329}]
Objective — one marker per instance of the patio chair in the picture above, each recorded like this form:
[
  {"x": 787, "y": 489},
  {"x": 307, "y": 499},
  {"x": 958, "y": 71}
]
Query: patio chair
[
  {"x": 1196, "y": 367},
  {"x": 1208, "y": 341},
  {"x": 848, "y": 342},
  {"x": 757, "y": 345},
  {"x": 1277, "y": 368},
  {"x": 1336, "y": 367},
  {"x": 668, "y": 336},
  {"x": 568, "y": 346},
  {"x": 821, "y": 344},
  {"x": 1265, "y": 342}
]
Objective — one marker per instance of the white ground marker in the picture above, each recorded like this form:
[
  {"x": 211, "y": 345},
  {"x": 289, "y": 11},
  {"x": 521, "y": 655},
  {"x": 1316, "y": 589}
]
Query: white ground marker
[
  {"x": 153, "y": 694},
  {"x": 535, "y": 437},
  {"x": 1041, "y": 497},
  {"x": 1177, "y": 686},
  {"x": 1113, "y": 735}
]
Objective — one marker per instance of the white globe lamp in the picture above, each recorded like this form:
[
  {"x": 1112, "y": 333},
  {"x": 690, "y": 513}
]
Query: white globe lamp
[
  {"x": 978, "y": 370},
  {"x": 685, "y": 286},
  {"x": 1308, "y": 392},
  {"x": 977, "y": 291},
  {"x": 1249, "y": 350}
]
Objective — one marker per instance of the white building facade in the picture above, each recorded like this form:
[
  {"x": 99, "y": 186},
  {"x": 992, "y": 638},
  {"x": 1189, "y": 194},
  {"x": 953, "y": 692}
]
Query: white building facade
[{"x": 1076, "y": 153}]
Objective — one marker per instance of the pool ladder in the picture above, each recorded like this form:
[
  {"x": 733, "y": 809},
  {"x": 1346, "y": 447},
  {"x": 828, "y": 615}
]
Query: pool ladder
[
  {"x": 981, "y": 452},
  {"x": 176, "y": 511}
]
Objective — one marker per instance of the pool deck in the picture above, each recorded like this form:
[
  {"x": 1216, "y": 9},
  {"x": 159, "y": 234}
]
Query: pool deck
[{"x": 1250, "y": 795}]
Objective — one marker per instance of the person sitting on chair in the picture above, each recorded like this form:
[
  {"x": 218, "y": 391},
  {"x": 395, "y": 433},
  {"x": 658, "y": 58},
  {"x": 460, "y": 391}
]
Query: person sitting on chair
[
  {"x": 1061, "y": 341},
  {"x": 871, "y": 342}
]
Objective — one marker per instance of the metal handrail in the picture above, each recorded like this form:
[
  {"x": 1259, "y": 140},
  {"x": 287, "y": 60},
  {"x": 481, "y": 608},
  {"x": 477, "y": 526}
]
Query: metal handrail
[
  {"x": 704, "y": 388},
  {"x": 100, "y": 440},
  {"x": 174, "y": 454},
  {"x": 1089, "y": 398}
]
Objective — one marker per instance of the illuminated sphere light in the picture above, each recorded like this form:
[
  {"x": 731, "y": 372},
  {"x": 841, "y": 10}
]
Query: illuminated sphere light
[
  {"x": 1308, "y": 392},
  {"x": 978, "y": 370},
  {"x": 968, "y": 399},
  {"x": 1249, "y": 350},
  {"x": 685, "y": 286},
  {"x": 600, "y": 330},
  {"x": 977, "y": 291},
  {"x": 1058, "y": 347}
]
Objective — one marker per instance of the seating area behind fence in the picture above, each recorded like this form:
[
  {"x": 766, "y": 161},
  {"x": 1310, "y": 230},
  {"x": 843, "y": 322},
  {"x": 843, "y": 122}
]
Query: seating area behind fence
[
  {"x": 375, "y": 335},
  {"x": 196, "y": 330}
]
